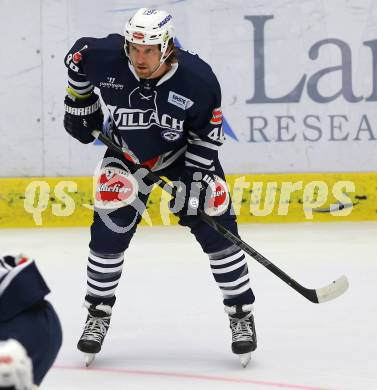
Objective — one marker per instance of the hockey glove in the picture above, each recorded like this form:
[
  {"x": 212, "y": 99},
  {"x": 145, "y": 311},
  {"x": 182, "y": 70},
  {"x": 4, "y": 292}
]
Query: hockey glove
[
  {"x": 192, "y": 191},
  {"x": 82, "y": 116}
]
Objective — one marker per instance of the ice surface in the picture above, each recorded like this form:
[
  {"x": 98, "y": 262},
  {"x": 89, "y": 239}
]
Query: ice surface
[{"x": 169, "y": 330}]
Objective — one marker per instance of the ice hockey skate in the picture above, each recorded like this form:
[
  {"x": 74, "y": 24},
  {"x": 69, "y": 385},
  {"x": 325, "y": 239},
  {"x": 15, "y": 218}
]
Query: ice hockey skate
[
  {"x": 96, "y": 326},
  {"x": 244, "y": 338}
]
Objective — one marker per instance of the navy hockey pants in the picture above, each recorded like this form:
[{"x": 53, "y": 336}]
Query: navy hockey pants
[{"x": 105, "y": 240}]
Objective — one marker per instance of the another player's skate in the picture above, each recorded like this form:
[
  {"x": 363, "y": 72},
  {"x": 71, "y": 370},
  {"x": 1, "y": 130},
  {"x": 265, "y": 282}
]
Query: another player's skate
[
  {"x": 96, "y": 326},
  {"x": 244, "y": 338}
]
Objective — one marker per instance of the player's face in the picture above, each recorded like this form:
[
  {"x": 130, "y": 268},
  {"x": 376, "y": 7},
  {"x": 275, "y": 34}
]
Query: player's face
[{"x": 145, "y": 59}]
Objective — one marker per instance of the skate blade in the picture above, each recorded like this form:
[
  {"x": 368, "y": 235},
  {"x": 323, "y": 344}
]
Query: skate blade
[
  {"x": 245, "y": 359},
  {"x": 89, "y": 358}
]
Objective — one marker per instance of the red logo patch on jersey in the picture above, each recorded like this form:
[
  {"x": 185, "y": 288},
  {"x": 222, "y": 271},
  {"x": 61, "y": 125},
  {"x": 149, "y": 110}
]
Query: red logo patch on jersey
[
  {"x": 151, "y": 163},
  {"x": 217, "y": 117},
  {"x": 77, "y": 57},
  {"x": 138, "y": 35}
]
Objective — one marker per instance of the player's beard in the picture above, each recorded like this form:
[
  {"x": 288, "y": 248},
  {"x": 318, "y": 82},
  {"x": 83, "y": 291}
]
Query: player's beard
[{"x": 145, "y": 72}]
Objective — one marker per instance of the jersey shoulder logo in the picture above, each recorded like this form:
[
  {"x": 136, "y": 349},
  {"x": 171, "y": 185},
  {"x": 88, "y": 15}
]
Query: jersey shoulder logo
[
  {"x": 217, "y": 117},
  {"x": 72, "y": 61},
  {"x": 179, "y": 100}
]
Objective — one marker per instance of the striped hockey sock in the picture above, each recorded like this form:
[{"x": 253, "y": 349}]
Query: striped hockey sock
[
  {"x": 229, "y": 268},
  {"x": 103, "y": 274}
]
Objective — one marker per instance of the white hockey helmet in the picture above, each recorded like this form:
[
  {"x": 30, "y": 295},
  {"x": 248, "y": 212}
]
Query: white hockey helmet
[{"x": 150, "y": 27}]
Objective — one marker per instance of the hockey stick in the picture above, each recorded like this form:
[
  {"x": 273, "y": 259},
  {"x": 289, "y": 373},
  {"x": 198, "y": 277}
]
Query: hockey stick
[{"x": 319, "y": 295}]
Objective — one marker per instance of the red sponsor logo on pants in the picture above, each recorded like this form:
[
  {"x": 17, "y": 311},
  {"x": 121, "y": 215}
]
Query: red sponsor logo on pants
[
  {"x": 115, "y": 187},
  {"x": 219, "y": 201}
]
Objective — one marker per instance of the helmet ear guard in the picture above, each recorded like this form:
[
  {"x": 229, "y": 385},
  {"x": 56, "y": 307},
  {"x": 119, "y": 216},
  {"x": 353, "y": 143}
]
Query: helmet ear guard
[{"x": 150, "y": 27}]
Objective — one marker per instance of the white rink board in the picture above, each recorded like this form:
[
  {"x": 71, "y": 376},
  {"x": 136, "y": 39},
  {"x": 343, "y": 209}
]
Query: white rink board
[{"x": 326, "y": 123}]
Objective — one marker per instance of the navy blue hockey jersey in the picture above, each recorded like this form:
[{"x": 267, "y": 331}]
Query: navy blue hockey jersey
[
  {"x": 153, "y": 120},
  {"x": 20, "y": 288}
]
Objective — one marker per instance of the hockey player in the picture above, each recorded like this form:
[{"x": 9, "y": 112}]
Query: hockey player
[
  {"x": 165, "y": 112},
  {"x": 30, "y": 331}
]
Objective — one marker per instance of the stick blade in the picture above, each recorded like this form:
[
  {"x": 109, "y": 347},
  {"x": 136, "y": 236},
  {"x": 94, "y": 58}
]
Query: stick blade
[{"x": 333, "y": 290}]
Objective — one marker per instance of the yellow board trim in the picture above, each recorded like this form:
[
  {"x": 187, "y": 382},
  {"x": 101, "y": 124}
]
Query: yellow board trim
[{"x": 261, "y": 198}]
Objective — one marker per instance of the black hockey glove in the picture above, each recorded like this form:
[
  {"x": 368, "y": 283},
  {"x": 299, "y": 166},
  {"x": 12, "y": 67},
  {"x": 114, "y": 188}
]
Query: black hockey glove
[
  {"x": 82, "y": 116},
  {"x": 192, "y": 191}
]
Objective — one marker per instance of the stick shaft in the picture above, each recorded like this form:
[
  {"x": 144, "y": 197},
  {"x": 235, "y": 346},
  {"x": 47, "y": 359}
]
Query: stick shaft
[{"x": 151, "y": 177}]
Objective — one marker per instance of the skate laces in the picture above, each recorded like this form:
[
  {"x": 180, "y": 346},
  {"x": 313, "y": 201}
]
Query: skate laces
[
  {"x": 96, "y": 328},
  {"x": 241, "y": 328}
]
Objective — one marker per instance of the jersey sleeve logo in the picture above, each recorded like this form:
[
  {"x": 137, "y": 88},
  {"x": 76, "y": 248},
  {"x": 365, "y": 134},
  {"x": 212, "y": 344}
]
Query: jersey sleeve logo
[
  {"x": 77, "y": 57},
  {"x": 72, "y": 60},
  {"x": 217, "y": 117}
]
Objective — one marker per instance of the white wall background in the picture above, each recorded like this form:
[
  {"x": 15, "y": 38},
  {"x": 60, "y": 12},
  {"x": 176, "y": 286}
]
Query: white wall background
[{"x": 35, "y": 35}]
